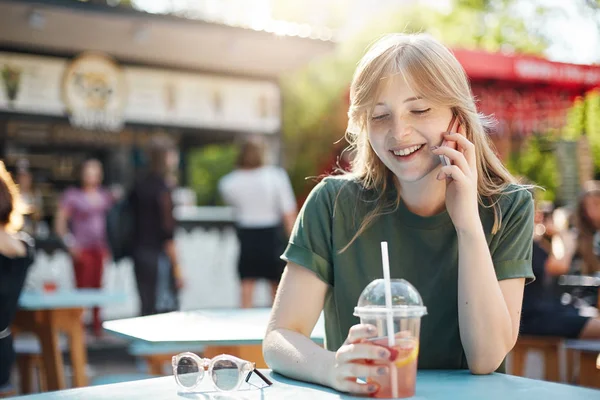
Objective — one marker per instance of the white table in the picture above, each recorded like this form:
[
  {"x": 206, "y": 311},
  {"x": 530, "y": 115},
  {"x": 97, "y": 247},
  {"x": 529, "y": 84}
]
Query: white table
[{"x": 239, "y": 332}]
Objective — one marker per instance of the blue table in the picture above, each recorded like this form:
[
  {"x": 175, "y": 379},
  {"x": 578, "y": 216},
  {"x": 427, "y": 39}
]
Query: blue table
[
  {"x": 431, "y": 385},
  {"x": 46, "y": 314},
  {"x": 78, "y": 298},
  {"x": 239, "y": 332}
]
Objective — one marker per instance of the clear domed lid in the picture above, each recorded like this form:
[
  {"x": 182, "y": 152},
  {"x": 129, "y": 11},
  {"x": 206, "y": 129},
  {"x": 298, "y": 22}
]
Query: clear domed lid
[{"x": 406, "y": 300}]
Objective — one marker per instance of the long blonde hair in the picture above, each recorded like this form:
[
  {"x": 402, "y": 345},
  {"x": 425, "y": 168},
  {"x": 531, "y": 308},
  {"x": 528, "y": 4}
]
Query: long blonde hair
[{"x": 433, "y": 72}]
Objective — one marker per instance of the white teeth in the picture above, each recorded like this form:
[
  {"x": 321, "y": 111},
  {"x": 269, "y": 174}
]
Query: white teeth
[{"x": 405, "y": 152}]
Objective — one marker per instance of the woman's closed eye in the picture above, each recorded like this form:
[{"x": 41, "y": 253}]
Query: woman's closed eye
[
  {"x": 379, "y": 117},
  {"x": 421, "y": 112},
  {"x": 385, "y": 116}
]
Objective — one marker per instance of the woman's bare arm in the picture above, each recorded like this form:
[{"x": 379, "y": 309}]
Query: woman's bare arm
[{"x": 287, "y": 347}]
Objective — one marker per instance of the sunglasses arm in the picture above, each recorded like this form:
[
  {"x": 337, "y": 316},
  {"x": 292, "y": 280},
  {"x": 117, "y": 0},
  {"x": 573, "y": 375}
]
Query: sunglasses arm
[{"x": 260, "y": 375}]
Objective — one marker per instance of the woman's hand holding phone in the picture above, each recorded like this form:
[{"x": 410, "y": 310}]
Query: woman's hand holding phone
[
  {"x": 453, "y": 126},
  {"x": 459, "y": 169}
]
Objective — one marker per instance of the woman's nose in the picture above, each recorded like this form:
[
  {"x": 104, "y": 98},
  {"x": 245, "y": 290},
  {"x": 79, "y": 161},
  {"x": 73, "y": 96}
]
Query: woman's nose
[{"x": 401, "y": 128}]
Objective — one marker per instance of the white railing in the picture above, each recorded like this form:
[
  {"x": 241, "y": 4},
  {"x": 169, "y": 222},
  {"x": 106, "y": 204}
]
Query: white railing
[{"x": 208, "y": 259}]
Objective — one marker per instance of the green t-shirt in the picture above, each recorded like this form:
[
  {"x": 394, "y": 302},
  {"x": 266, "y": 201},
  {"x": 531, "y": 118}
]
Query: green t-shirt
[{"x": 422, "y": 250}]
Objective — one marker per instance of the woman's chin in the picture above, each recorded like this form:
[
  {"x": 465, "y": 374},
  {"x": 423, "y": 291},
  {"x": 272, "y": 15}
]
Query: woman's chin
[{"x": 415, "y": 175}]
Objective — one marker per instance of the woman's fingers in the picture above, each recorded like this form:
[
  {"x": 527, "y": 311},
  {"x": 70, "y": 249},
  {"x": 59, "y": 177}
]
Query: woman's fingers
[
  {"x": 359, "y": 357},
  {"x": 360, "y": 332},
  {"x": 363, "y": 351},
  {"x": 455, "y": 156},
  {"x": 452, "y": 172},
  {"x": 464, "y": 146},
  {"x": 354, "y": 370},
  {"x": 351, "y": 386}
]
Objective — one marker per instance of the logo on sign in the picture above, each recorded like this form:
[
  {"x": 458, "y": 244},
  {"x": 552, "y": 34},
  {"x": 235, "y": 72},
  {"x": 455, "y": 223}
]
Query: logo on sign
[{"x": 94, "y": 93}]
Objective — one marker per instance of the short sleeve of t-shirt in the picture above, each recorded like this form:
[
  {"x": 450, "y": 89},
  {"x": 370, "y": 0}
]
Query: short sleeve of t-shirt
[
  {"x": 511, "y": 247},
  {"x": 310, "y": 244}
]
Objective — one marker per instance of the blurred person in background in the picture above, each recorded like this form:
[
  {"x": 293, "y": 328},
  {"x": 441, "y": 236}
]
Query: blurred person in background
[
  {"x": 543, "y": 312},
  {"x": 588, "y": 225},
  {"x": 265, "y": 211},
  {"x": 16, "y": 255},
  {"x": 81, "y": 223},
  {"x": 157, "y": 272},
  {"x": 30, "y": 197}
]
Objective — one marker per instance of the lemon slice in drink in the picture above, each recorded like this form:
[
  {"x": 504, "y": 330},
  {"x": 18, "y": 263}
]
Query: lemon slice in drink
[{"x": 409, "y": 351}]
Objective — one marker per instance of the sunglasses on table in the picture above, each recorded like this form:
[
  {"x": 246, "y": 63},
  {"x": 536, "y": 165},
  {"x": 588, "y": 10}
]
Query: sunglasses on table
[{"x": 227, "y": 373}]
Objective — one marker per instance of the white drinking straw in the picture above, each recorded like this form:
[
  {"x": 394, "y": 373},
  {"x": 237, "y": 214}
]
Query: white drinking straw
[{"x": 389, "y": 311}]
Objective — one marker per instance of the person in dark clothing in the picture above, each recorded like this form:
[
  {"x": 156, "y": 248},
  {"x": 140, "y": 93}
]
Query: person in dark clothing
[
  {"x": 588, "y": 224},
  {"x": 543, "y": 313},
  {"x": 156, "y": 267},
  {"x": 16, "y": 255}
]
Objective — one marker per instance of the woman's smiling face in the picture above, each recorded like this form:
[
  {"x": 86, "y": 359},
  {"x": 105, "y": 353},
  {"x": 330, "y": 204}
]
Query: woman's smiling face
[{"x": 402, "y": 128}]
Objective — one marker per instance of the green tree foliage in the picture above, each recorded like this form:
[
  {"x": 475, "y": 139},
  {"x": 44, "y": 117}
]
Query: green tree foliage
[
  {"x": 584, "y": 119},
  {"x": 536, "y": 161},
  {"x": 592, "y": 125},
  {"x": 206, "y": 166},
  {"x": 574, "y": 126}
]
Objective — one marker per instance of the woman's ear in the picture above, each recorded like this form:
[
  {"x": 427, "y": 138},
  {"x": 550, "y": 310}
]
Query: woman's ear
[{"x": 459, "y": 126}]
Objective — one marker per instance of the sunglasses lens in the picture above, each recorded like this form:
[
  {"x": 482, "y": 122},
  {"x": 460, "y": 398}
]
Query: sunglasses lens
[
  {"x": 188, "y": 372},
  {"x": 225, "y": 374}
]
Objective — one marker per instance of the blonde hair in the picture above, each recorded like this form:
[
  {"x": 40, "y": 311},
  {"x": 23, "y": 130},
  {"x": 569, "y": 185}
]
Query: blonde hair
[
  {"x": 11, "y": 206},
  {"x": 433, "y": 72}
]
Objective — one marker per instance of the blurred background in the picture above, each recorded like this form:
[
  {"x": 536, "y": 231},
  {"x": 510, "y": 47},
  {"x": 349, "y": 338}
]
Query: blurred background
[{"x": 102, "y": 78}]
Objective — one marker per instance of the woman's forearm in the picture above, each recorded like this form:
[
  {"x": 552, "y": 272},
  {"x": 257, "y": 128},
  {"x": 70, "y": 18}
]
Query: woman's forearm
[
  {"x": 294, "y": 355},
  {"x": 486, "y": 328}
]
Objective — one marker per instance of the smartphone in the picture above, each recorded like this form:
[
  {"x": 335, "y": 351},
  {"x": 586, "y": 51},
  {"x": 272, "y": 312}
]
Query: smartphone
[{"x": 444, "y": 159}]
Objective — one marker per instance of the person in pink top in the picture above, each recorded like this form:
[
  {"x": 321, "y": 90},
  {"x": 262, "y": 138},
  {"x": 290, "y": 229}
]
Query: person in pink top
[{"x": 81, "y": 223}]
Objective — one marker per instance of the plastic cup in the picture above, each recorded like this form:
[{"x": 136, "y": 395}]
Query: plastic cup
[
  {"x": 49, "y": 286},
  {"x": 407, "y": 310}
]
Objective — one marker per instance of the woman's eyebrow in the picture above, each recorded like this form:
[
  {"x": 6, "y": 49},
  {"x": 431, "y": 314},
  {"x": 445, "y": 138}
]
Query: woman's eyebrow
[{"x": 408, "y": 100}]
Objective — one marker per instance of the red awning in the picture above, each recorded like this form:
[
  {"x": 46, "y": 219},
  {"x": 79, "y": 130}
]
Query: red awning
[{"x": 481, "y": 65}]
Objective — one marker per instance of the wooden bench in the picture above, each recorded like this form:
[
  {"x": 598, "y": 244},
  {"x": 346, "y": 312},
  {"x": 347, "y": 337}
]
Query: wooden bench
[
  {"x": 589, "y": 361},
  {"x": 548, "y": 346},
  {"x": 30, "y": 363}
]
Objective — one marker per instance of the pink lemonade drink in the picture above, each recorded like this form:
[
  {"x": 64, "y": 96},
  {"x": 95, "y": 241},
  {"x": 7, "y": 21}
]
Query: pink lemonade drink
[
  {"x": 404, "y": 367},
  {"x": 406, "y": 312}
]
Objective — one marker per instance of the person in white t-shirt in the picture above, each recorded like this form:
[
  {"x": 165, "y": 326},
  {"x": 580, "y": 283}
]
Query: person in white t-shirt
[{"x": 265, "y": 212}]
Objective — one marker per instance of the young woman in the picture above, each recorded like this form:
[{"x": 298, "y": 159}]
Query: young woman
[
  {"x": 588, "y": 224},
  {"x": 460, "y": 233},
  {"x": 16, "y": 255},
  {"x": 81, "y": 223},
  {"x": 264, "y": 205},
  {"x": 157, "y": 271}
]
